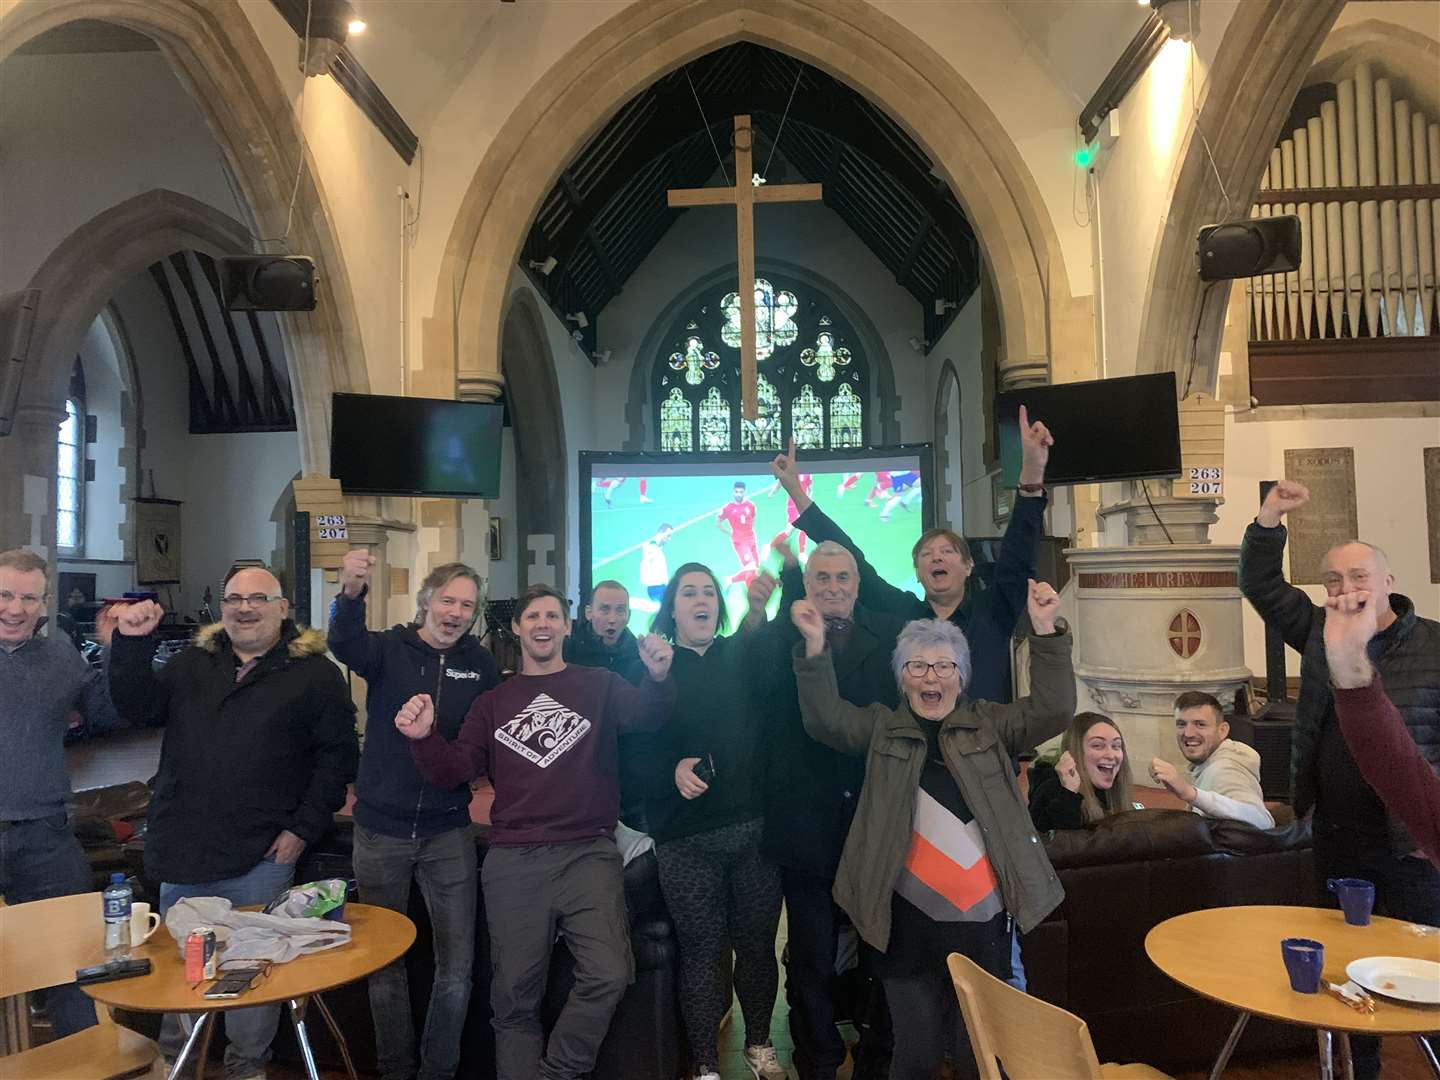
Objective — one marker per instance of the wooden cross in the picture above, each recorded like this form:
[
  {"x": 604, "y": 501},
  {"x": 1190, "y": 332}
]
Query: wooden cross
[{"x": 744, "y": 195}]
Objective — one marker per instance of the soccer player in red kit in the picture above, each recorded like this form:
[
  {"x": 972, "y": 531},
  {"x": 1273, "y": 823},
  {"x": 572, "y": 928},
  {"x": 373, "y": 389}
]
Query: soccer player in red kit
[
  {"x": 739, "y": 514},
  {"x": 807, "y": 482}
]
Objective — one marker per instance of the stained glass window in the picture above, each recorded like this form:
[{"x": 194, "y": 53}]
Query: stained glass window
[
  {"x": 675, "y": 415},
  {"x": 70, "y": 473},
  {"x": 694, "y": 361},
  {"x": 774, "y": 319},
  {"x": 714, "y": 421},
  {"x": 813, "y": 381},
  {"x": 763, "y": 433},
  {"x": 807, "y": 420},
  {"x": 825, "y": 357},
  {"x": 846, "y": 419}
]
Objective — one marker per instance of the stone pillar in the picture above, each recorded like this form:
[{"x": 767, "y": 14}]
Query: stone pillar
[
  {"x": 27, "y": 480},
  {"x": 1153, "y": 621}
]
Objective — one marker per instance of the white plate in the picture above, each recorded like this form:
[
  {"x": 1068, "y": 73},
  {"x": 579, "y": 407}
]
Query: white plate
[{"x": 1398, "y": 977}]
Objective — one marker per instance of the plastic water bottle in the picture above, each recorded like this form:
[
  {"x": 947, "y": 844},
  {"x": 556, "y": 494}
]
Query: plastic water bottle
[{"x": 116, "y": 899}]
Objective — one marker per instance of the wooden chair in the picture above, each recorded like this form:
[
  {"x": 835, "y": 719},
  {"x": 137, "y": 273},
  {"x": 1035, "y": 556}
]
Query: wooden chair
[
  {"x": 39, "y": 947},
  {"x": 1030, "y": 1038}
]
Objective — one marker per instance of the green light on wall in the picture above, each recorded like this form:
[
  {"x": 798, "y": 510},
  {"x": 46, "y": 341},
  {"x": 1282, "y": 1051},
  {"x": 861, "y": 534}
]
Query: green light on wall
[{"x": 1085, "y": 156}]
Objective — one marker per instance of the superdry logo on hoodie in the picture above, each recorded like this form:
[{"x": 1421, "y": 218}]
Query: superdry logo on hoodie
[{"x": 543, "y": 730}]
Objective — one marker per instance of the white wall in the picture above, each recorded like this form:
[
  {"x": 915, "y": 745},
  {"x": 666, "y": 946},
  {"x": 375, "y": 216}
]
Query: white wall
[
  {"x": 81, "y": 133},
  {"x": 961, "y": 345},
  {"x": 700, "y": 242}
]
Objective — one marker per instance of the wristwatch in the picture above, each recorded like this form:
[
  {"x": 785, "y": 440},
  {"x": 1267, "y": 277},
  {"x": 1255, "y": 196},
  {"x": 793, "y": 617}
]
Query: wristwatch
[{"x": 1031, "y": 489}]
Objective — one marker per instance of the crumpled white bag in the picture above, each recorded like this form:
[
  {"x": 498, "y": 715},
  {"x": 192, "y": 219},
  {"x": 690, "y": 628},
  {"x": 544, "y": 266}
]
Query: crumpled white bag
[{"x": 251, "y": 935}]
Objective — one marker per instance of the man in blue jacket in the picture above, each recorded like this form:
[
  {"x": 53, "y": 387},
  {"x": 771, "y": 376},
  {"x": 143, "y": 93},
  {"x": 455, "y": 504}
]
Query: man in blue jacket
[{"x": 406, "y": 828}]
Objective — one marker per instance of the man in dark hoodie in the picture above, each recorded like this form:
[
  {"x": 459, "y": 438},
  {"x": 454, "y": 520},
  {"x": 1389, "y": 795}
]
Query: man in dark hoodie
[
  {"x": 405, "y": 827},
  {"x": 259, "y": 745}
]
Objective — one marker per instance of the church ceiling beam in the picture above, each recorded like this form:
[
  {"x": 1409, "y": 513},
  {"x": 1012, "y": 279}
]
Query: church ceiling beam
[
  {"x": 199, "y": 398},
  {"x": 223, "y": 400}
]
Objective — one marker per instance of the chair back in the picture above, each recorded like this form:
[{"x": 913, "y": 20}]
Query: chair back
[
  {"x": 43, "y": 942},
  {"x": 1030, "y": 1038}
]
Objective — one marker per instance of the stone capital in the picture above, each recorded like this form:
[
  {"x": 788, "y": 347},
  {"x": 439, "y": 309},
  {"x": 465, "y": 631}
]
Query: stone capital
[{"x": 479, "y": 385}]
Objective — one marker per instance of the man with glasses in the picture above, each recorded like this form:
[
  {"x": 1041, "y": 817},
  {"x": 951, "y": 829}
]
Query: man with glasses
[
  {"x": 259, "y": 746},
  {"x": 45, "y": 682}
]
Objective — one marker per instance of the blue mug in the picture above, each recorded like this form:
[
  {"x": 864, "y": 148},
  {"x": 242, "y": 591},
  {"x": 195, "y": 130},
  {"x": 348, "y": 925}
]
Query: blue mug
[
  {"x": 1357, "y": 898},
  {"x": 1304, "y": 960}
]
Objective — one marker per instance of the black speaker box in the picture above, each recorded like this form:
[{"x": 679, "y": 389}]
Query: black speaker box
[
  {"x": 1241, "y": 249},
  {"x": 268, "y": 282}
]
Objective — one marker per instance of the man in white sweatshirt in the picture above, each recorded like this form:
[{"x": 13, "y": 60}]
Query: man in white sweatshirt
[{"x": 1223, "y": 780}]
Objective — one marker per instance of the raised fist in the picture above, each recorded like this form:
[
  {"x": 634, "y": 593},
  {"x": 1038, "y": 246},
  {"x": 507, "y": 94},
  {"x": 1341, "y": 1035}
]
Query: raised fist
[
  {"x": 1044, "y": 606},
  {"x": 761, "y": 588},
  {"x": 1285, "y": 496},
  {"x": 140, "y": 619},
  {"x": 1068, "y": 773},
  {"x": 416, "y": 718},
  {"x": 1172, "y": 779},
  {"x": 807, "y": 619},
  {"x": 1351, "y": 620},
  {"x": 781, "y": 546},
  {"x": 355, "y": 571},
  {"x": 656, "y": 654}
]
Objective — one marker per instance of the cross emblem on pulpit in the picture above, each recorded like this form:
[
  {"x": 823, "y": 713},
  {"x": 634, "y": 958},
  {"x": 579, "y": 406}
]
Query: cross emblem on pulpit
[
  {"x": 1185, "y": 634},
  {"x": 750, "y": 188}
]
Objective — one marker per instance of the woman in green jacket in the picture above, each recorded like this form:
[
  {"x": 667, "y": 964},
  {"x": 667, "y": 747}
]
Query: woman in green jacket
[{"x": 941, "y": 855}]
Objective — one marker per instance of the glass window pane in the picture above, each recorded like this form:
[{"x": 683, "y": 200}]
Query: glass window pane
[
  {"x": 845, "y": 419},
  {"x": 714, "y": 421},
  {"x": 65, "y": 531},
  {"x": 69, "y": 455},
  {"x": 764, "y": 432},
  {"x": 774, "y": 319},
  {"x": 807, "y": 420},
  {"x": 675, "y": 419},
  {"x": 695, "y": 361},
  {"x": 70, "y": 426},
  {"x": 825, "y": 357},
  {"x": 67, "y": 500}
]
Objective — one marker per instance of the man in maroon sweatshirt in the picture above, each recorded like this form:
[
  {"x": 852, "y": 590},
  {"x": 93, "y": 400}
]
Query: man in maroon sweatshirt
[
  {"x": 547, "y": 741},
  {"x": 1374, "y": 730}
]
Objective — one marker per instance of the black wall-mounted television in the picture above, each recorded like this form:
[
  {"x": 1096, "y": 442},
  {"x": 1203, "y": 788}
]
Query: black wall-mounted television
[
  {"x": 415, "y": 446},
  {"x": 1108, "y": 429}
]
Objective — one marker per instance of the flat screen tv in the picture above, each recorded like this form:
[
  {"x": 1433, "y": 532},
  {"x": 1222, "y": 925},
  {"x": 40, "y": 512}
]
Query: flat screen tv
[
  {"x": 1108, "y": 429},
  {"x": 415, "y": 446},
  {"x": 644, "y": 515}
]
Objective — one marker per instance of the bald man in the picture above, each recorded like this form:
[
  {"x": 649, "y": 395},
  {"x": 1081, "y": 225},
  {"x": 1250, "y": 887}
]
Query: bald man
[
  {"x": 1355, "y": 836},
  {"x": 259, "y": 745}
]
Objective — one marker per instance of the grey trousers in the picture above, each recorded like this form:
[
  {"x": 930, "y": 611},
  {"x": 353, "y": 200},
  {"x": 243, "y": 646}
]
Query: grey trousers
[{"x": 533, "y": 894}]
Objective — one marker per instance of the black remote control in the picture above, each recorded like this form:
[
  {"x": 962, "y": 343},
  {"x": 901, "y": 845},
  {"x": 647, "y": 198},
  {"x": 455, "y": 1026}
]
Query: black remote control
[{"x": 115, "y": 969}]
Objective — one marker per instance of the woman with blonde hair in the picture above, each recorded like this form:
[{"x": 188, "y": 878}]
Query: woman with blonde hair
[{"x": 1090, "y": 781}]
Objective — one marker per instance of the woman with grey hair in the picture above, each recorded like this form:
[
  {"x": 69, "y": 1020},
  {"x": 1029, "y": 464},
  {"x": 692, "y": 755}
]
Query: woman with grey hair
[{"x": 941, "y": 856}]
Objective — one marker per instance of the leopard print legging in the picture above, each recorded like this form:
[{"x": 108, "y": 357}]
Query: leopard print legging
[{"x": 723, "y": 895}]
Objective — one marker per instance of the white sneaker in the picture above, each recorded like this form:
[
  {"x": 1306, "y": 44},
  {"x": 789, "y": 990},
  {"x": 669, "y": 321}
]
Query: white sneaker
[{"x": 763, "y": 1063}]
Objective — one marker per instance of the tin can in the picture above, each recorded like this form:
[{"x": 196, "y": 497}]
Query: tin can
[{"x": 200, "y": 955}]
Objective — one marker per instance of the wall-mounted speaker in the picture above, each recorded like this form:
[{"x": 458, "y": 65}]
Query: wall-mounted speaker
[
  {"x": 268, "y": 282},
  {"x": 1241, "y": 249}
]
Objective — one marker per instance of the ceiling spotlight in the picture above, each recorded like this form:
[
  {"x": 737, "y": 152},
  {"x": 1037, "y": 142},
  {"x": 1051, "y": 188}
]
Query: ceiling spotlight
[
  {"x": 544, "y": 266},
  {"x": 942, "y": 306},
  {"x": 601, "y": 358},
  {"x": 577, "y": 337},
  {"x": 579, "y": 318},
  {"x": 356, "y": 26},
  {"x": 919, "y": 344}
]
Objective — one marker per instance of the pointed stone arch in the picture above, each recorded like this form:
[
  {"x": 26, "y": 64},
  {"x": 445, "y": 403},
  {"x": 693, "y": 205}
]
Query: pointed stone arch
[
  {"x": 949, "y": 470},
  {"x": 541, "y": 465},
  {"x": 850, "y": 39}
]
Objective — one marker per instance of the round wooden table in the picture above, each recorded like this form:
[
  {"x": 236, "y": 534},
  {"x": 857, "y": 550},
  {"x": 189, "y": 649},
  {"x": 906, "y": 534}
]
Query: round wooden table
[
  {"x": 377, "y": 936},
  {"x": 1232, "y": 955}
]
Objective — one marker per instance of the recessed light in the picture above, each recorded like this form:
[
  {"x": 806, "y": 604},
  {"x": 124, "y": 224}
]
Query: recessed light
[{"x": 357, "y": 26}]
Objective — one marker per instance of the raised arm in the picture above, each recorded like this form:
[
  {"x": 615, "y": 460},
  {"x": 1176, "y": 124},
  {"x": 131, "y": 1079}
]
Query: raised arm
[
  {"x": 1262, "y": 578},
  {"x": 1019, "y": 548},
  {"x": 828, "y": 717},
  {"x": 1051, "y": 702},
  {"x": 646, "y": 707},
  {"x": 353, "y": 644},
  {"x": 446, "y": 764},
  {"x": 140, "y": 694}
]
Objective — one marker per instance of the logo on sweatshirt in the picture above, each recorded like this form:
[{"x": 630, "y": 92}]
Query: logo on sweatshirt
[
  {"x": 543, "y": 730},
  {"x": 453, "y": 673}
]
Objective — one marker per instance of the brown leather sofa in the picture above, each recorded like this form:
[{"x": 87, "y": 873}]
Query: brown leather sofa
[{"x": 1122, "y": 877}]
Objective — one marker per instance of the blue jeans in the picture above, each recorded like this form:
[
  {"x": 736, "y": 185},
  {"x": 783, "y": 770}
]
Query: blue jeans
[
  {"x": 40, "y": 860},
  {"x": 445, "y": 867},
  {"x": 248, "y": 1031}
]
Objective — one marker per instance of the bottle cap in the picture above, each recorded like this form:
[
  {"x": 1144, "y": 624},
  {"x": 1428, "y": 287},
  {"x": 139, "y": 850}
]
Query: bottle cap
[{"x": 117, "y": 878}]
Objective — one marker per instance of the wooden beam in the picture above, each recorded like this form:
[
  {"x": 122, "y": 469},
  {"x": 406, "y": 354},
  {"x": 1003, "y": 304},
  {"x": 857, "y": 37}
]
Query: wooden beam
[
  {"x": 705, "y": 196},
  {"x": 788, "y": 193},
  {"x": 745, "y": 235}
]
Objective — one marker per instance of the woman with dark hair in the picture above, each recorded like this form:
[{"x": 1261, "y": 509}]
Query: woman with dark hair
[
  {"x": 705, "y": 813},
  {"x": 1090, "y": 781},
  {"x": 941, "y": 856}
]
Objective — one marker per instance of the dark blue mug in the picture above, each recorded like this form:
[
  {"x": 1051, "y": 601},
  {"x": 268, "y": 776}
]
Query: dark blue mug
[
  {"x": 1304, "y": 960},
  {"x": 1357, "y": 898}
]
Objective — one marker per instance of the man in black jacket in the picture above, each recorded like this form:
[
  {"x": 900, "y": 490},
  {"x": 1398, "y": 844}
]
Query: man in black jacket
[
  {"x": 406, "y": 829},
  {"x": 810, "y": 794},
  {"x": 1354, "y": 834},
  {"x": 259, "y": 746}
]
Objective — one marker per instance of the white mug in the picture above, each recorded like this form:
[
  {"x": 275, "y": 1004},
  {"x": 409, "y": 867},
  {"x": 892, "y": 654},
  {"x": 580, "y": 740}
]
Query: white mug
[{"x": 143, "y": 923}]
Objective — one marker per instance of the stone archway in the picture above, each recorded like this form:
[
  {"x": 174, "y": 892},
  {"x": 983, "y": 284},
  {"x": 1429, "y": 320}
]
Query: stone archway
[
  {"x": 216, "y": 54},
  {"x": 884, "y": 404},
  {"x": 851, "y": 40},
  {"x": 949, "y": 450},
  {"x": 541, "y": 465},
  {"x": 1266, "y": 52}
]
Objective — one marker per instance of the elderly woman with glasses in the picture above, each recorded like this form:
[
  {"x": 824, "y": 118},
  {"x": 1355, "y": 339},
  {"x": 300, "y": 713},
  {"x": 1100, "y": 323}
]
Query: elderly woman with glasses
[{"x": 941, "y": 855}]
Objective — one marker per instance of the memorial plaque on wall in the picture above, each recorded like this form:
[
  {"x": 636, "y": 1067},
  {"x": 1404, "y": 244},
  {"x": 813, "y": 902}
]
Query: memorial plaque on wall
[
  {"x": 1330, "y": 517},
  {"x": 1432, "y": 508}
]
